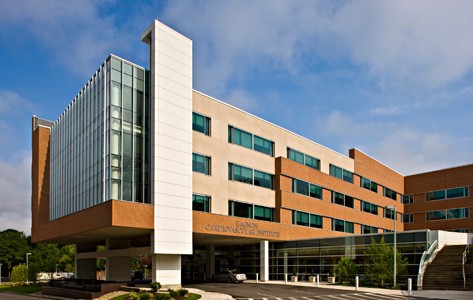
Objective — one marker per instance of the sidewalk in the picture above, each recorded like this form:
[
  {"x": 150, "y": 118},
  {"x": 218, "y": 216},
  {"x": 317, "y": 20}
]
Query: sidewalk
[
  {"x": 209, "y": 295},
  {"x": 439, "y": 294}
]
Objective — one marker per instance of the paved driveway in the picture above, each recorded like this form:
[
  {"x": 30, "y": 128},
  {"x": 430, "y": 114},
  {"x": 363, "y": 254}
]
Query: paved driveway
[{"x": 290, "y": 292}]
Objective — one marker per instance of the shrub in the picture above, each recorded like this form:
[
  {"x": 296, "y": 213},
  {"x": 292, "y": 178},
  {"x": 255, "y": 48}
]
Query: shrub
[
  {"x": 18, "y": 273},
  {"x": 163, "y": 296},
  {"x": 141, "y": 296},
  {"x": 345, "y": 270},
  {"x": 155, "y": 286}
]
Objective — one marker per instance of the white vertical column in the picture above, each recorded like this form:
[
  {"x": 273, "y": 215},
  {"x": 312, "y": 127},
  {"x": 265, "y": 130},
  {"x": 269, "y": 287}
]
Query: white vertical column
[
  {"x": 264, "y": 260},
  {"x": 171, "y": 145},
  {"x": 167, "y": 270}
]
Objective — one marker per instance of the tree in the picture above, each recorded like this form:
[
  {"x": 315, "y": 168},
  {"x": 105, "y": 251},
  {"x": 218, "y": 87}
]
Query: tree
[
  {"x": 379, "y": 263},
  {"x": 67, "y": 259},
  {"x": 345, "y": 270},
  {"x": 13, "y": 248}
]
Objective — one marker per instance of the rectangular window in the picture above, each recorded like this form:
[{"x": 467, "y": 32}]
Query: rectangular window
[
  {"x": 436, "y": 195},
  {"x": 369, "y": 185},
  {"x": 408, "y": 218},
  {"x": 240, "y": 173},
  {"x": 263, "y": 213},
  {"x": 342, "y": 226},
  {"x": 341, "y": 173},
  {"x": 250, "y": 176},
  {"x": 239, "y": 209},
  {"x": 458, "y": 213},
  {"x": 263, "y": 145},
  {"x": 250, "y": 211},
  {"x": 342, "y": 199},
  {"x": 436, "y": 215},
  {"x": 369, "y": 208},
  {"x": 306, "y": 219},
  {"x": 388, "y": 213},
  {"x": 315, "y": 191},
  {"x": 200, "y": 123},
  {"x": 457, "y": 192},
  {"x": 303, "y": 158},
  {"x": 263, "y": 179},
  {"x": 200, "y": 203},
  {"x": 390, "y": 193},
  {"x": 200, "y": 163},
  {"x": 306, "y": 188},
  {"x": 240, "y": 137},
  {"x": 365, "y": 229},
  {"x": 408, "y": 199}
]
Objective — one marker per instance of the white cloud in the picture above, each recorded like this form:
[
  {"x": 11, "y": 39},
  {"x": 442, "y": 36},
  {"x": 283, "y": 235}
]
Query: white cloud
[
  {"x": 414, "y": 151},
  {"x": 12, "y": 102},
  {"x": 76, "y": 32},
  {"x": 15, "y": 196}
]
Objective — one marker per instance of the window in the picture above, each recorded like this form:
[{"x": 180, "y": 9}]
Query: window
[
  {"x": 342, "y": 226},
  {"x": 342, "y": 199},
  {"x": 306, "y": 188},
  {"x": 239, "y": 209},
  {"x": 240, "y": 173},
  {"x": 390, "y": 193},
  {"x": 369, "y": 207},
  {"x": 250, "y": 176},
  {"x": 369, "y": 185},
  {"x": 263, "y": 145},
  {"x": 408, "y": 199},
  {"x": 303, "y": 158},
  {"x": 341, "y": 173},
  {"x": 263, "y": 179},
  {"x": 240, "y": 137},
  {"x": 458, "y": 213},
  {"x": 306, "y": 219},
  {"x": 200, "y": 123},
  {"x": 200, "y": 163},
  {"x": 250, "y": 211},
  {"x": 408, "y": 218},
  {"x": 200, "y": 203},
  {"x": 263, "y": 213},
  {"x": 448, "y": 194},
  {"x": 365, "y": 229},
  {"x": 389, "y": 213}
]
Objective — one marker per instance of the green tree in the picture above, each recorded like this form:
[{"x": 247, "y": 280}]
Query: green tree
[
  {"x": 46, "y": 257},
  {"x": 379, "y": 263},
  {"x": 345, "y": 270},
  {"x": 67, "y": 259},
  {"x": 18, "y": 274},
  {"x": 13, "y": 248}
]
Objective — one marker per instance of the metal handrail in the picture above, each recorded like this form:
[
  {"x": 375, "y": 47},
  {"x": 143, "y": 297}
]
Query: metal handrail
[
  {"x": 465, "y": 254},
  {"x": 427, "y": 257}
]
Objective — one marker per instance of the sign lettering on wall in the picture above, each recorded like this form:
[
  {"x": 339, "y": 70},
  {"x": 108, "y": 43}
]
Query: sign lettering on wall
[{"x": 247, "y": 228}]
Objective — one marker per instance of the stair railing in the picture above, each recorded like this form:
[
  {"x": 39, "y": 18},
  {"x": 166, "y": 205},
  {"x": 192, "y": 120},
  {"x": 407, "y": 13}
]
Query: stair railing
[
  {"x": 465, "y": 255},
  {"x": 426, "y": 259}
]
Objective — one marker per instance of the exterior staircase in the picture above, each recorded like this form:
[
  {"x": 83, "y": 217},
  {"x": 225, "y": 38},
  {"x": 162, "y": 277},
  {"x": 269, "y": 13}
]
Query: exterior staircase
[{"x": 446, "y": 273}]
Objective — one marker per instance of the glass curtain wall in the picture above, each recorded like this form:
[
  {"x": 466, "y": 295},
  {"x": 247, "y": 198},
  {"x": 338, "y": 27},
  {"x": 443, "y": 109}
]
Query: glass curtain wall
[{"x": 99, "y": 143}]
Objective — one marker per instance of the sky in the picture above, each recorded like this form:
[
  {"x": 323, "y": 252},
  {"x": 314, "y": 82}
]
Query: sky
[{"x": 391, "y": 78}]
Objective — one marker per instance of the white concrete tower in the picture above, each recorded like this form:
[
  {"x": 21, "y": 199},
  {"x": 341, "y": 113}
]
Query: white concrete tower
[{"x": 171, "y": 149}]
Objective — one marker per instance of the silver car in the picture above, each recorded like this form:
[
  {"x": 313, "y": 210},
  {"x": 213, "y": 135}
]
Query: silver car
[{"x": 230, "y": 276}]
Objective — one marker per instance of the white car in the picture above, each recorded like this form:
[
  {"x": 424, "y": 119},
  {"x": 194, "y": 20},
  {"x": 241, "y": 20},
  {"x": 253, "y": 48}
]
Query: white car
[{"x": 230, "y": 276}]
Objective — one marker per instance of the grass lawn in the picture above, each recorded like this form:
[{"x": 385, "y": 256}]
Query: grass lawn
[
  {"x": 27, "y": 289},
  {"x": 189, "y": 296}
]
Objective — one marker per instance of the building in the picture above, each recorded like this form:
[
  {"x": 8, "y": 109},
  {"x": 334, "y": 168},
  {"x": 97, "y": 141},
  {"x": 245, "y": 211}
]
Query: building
[{"x": 142, "y": 164}]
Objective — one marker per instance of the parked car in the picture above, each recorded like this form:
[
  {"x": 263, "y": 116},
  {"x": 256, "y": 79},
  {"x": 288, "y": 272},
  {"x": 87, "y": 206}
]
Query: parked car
[
  {"x": 230, "y": 276},
  {"x": 136, "y": 275}
]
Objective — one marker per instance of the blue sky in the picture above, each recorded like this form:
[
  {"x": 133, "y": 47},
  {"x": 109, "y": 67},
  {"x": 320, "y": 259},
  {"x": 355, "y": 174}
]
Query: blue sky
[{"x": 392, "y": 78}]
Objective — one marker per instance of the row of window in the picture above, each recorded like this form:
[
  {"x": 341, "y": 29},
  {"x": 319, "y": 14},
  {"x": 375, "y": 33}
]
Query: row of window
[
  {"x": 250, "y": 176},
  {"x": 448, "y": 194},
  {"x": 306, "y": 188},
  {"x": 250, "y": 211},
  {"x": 369, "y": 184},
  {"x": 243, "y": 138},
  {"x": 341, "y": 173},
  {"x": 456, "y": 213},
  {"x": 303, "y": 158}
]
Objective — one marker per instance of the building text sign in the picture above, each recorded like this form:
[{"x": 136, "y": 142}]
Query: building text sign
[{"x": 247, "y": 228}]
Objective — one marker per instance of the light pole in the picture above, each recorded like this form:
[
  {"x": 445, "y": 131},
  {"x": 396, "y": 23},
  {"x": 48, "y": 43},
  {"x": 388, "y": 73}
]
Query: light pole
[
  {"x": 0, "y": 273},
  {"x": 27, "y": 254},
  {"x": 395, "y": 217}
]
